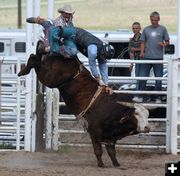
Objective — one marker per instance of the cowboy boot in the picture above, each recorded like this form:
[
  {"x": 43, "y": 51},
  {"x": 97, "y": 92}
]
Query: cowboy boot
[
  {"x": 37, "y": 20},
  {"x": 40, "y": 49},
  {"x": 98, "y": 79}
]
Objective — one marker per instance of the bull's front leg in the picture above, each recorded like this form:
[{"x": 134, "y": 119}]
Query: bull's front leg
[
  {"x": 98, "y": 151},
  {"x": 29, "y": 66},
  {"x": 112, "y": 153}
]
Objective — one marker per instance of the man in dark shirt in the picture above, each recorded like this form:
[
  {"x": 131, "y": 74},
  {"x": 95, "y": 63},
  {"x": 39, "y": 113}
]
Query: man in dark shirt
[{"x": 134, "y": 50}]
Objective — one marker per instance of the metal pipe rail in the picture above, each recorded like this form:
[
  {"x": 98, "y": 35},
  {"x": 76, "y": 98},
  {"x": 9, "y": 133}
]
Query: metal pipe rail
[
  {"x": 119, "y": 61},
  {"x": 121, "y": 146},
  {"x": 132, "y": 80},
  {"x": 114, "y": 62},
  {"x": 151, "y": 92},
  {"x": 117, "y": 78},
  {"x": 11, "y": 59}
]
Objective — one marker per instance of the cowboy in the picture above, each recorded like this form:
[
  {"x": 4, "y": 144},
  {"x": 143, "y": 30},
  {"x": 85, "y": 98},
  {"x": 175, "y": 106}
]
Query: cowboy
[
  {"x": 87, "y": 44},
  {"x": 64, "y": 40},
  {"x": 64, "y": 19}
]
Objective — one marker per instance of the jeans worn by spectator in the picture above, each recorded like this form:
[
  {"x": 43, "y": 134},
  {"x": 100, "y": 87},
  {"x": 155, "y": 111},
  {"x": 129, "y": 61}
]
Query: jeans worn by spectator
[
  {"x": 145, "y": 71},
  {"x": 137, "y": 73}
]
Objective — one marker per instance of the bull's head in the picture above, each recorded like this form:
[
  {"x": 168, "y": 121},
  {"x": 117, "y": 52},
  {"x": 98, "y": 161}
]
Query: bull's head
[{"x": 141, "y": 114}]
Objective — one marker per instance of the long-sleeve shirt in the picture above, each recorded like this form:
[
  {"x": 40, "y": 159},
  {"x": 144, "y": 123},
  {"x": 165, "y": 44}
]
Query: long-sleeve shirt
[
  {"x": 60, "y": 21},
  {"x": 135, "y": 43}
]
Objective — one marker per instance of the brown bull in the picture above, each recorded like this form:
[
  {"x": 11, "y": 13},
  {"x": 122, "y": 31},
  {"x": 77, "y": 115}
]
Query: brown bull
[{"x": 108, "y": 117}]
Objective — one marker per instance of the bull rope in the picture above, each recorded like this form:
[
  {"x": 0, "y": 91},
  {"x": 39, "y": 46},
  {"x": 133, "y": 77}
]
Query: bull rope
[
  {"x": 80, "y": 116},
  {"x": 97, "y": 93}
]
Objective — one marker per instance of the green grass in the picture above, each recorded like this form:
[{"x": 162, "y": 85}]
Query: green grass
[{"x": 100, "y": 14}]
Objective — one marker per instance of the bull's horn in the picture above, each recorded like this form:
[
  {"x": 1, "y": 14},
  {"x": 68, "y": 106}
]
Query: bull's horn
[{"x": 128, "y": 104}]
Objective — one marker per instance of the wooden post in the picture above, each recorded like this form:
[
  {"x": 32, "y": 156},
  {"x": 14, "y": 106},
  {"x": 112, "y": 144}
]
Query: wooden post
[
  {"x": 19, "y": 15},
  {"x": 55, "y": 113},
  {"x": 40, "y": 143}
]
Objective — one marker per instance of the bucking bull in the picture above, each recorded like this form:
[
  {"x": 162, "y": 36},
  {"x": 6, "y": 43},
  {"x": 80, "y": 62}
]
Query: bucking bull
[{"x": 108, "y": 117}]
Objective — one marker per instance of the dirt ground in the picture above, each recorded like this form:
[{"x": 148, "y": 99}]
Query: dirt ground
[{"x": 82, "y": 163}]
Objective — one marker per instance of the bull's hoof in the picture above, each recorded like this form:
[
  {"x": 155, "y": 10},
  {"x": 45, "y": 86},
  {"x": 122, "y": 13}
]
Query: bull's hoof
[
  {"x": 116, "y": 165},
  {"x": 24, "y": 72},
  {"x": 101, "y": 165}
]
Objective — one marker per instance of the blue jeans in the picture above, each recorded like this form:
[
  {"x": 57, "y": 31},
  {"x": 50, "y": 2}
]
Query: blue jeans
[
  {"x": 68, "y": 48},
  {"x": 92, "y": 56},
  {"x": 145, "y": 71},
  {"x": 46, "y": 25},
  {"x": 137, "y": 73}
]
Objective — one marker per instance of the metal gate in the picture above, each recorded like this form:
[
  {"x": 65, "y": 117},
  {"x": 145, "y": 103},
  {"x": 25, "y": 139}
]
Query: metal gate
[{"x": 12, "y": 104}]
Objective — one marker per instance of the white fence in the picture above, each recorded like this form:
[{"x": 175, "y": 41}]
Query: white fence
[
  {"x": 65, "y": 130},
  {"x": 164, "y": 133},
  {"x": 174, "y": 107},
  {"x": 12, "y": 104}
]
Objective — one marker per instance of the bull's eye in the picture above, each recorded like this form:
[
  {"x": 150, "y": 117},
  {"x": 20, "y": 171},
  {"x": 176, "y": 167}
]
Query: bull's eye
[{"x": 136, "y": 113}]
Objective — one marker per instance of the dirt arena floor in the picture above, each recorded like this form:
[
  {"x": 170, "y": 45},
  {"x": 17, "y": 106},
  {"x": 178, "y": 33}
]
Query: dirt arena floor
[{"x": 82, "y": 163}]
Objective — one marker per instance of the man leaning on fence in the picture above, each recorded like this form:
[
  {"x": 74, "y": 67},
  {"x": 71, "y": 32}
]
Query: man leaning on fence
[{"x": 153, "y": 40}]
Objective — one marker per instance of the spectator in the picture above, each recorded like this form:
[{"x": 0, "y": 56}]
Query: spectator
[
  {"x": 153, "y": 40},
  {"x": 134, "y": 49}
]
